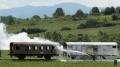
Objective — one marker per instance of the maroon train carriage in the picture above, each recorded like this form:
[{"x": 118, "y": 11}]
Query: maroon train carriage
[{"x": 23, "y": 49}]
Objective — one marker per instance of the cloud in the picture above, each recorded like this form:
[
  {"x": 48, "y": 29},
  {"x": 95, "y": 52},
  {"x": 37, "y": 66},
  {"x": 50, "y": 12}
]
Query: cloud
[{"x": 5, "y": 4}]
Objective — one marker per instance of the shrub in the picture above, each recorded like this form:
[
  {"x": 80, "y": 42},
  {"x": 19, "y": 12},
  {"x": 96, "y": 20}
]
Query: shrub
[
  {"x": 94, "y": 24},
  {"x": 81, "y": 26},
  {"x": 54, "y": 36},
  {"x": 33, "y": 30},
  {"x": 115, "y": 17}
]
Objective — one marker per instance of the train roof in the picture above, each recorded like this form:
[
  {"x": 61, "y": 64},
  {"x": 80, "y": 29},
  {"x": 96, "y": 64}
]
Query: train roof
[
  {"x": 91, "y": 43},
  {"x": 38, "y": 43}
]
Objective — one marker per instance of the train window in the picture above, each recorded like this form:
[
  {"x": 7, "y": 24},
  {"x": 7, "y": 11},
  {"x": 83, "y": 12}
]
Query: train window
[
  {"x": 48, "y": 47},
  {"x": 29, "y": 47},
  {"x": 41, "y": 47},
  {"x": 114, "y": 46},
  {"x": 35, "y": 47},
  {"x": 17, "y": 48},
  {"x": 12, "y": 48}
]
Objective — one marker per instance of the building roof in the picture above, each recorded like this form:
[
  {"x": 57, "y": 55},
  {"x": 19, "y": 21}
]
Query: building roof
[{"x": 91, "y": 43}]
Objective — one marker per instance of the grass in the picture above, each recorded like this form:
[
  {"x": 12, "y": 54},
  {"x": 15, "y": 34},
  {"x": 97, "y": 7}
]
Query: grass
[
  {"x": 56, "y": 25},
  {"x": 43, "y": 63},
  {"x": 6, "y": 61}
]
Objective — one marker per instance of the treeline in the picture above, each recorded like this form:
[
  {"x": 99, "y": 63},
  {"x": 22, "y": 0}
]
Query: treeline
[{"x": 95, "y": 11}]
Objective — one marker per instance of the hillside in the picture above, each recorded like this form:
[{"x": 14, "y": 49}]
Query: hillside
[{"x": 52, "y": 25}]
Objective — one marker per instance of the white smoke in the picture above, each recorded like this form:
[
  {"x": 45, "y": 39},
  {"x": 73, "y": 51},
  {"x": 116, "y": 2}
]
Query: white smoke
[{"x": 6, "y": 38}]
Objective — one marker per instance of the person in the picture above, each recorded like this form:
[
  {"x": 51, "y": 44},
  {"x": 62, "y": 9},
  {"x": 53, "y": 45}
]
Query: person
[
  {"x": 0, "y": 52},
  {"x": 115, "y": 62},
  {"x": 93, "y": 57}
]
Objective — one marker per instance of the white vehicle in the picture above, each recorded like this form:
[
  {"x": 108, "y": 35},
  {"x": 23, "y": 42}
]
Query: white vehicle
[{"x": 92, "y": 48}]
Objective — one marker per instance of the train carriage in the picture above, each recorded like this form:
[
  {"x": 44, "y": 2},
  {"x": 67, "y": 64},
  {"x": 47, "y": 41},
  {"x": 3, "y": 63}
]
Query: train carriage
[
  {"x": 92, "y": 48},
  {"x": 23, "y": 49}
]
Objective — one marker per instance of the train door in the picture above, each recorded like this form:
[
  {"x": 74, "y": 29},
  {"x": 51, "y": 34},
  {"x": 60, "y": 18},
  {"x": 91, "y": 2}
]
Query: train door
[
  {"x": 92, "y": 50},
  {"x": 20, "y": 49}
]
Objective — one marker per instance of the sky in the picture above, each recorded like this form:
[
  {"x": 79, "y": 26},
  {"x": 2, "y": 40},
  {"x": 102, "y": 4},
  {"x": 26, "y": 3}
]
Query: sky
[{"x": 6, "y": 4}]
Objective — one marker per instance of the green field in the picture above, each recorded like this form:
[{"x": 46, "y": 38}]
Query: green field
[{"x": 56, "y": 25}]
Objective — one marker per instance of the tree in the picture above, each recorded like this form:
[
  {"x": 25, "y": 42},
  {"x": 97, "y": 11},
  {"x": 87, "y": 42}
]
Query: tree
[
  {"x": 79, "y": 14},
  {"x": 113, "y": 10},
  {"x": 11, "y": 20},
  {"x": 36, "y": 17},
  {"x": 95, "y": 11},
  {"x": 109, "y": 10},
  {"x": 58, "y": 13},
  {"x": 118, "y": 10},
  {"x": 45, "y": 16}
]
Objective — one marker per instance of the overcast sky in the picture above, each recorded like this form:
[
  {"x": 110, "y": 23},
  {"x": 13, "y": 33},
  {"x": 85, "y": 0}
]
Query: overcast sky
[{"x": 6, "y": 4}]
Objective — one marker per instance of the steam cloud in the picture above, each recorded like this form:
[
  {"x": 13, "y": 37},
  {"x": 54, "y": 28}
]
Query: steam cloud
[{"x": 6, "y": 38}]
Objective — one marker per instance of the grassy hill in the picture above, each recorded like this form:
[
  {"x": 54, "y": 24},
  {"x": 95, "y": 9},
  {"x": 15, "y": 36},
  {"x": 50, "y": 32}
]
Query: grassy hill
[{"x": 57, "y": 24}]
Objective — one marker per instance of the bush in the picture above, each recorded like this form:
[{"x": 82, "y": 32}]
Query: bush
[
  {"x": 115, "y": 17},
  {"x": 94, "y": 24},
  {"x": 109, "y": 24},
  {"x": 90, "y": 24},
  {"x": 81, "y": 26},
  {"x": 54, "y": 36},
  {"x": 33, "y": 30},
  {"x": 66, "y": 28}
]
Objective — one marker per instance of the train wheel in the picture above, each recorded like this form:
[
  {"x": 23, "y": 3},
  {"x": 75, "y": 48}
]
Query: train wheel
[
  {"x": 21, "y": 57},
  {"x": 47, "y": 57},
  {"x": 72, "y": 57}
]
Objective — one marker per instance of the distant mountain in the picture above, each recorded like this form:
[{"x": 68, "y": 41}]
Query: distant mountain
[{"x": 29, "y": 11}]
